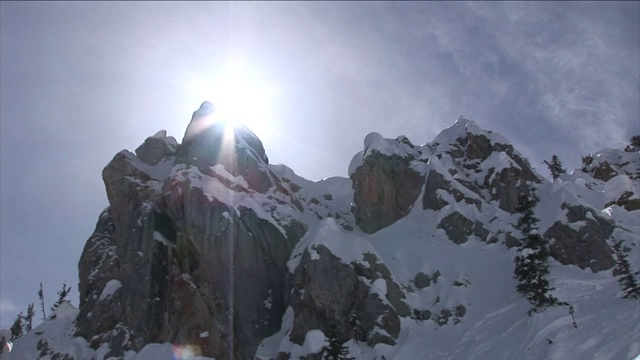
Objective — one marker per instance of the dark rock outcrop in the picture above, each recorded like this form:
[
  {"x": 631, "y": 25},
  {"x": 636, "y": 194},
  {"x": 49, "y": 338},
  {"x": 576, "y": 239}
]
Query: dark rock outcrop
[
  {"x": 326, "y": 290},
  {"x": 171, "y": 257},
  {"x": 458, "y": 228},
  {"x": 627, "y": 200},
  {"x": 609, "y": 163},
  {"x": 583, "y": 244},
  {"x": 156, "y": 148},
  {"x": 502, "y": 185},
  {"x": 385, "y": 189},
  {"x": 208, "y": 142}
]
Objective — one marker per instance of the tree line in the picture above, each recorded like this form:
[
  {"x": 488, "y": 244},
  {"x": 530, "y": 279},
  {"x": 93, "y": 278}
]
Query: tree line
[{"x": 24, "y": 323}]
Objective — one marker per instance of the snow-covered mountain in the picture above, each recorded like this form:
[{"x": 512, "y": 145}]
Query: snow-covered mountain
[{"x": 208, "y": 251}]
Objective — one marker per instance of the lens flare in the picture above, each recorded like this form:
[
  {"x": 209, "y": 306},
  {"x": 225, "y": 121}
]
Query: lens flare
[
  {"x": 185, "y": 352},
  {"x": 239, "y": 93}
]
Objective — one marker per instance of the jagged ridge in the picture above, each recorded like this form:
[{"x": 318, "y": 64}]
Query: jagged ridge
[{"x": 205, "y": 243}]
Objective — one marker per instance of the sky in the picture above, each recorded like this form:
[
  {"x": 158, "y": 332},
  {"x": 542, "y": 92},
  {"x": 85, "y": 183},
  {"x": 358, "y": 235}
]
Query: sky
[{"x": 80, "y": 81}]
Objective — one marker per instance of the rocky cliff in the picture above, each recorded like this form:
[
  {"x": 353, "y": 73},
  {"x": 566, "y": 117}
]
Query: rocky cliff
[{"x": 206, "y": 245}]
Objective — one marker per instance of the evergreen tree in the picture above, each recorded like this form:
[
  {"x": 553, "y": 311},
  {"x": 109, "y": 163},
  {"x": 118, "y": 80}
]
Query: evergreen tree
[
  {"x": 355, "y": 324},
  {"x": 16, "y": 328},
  {"x": 41, "y": 297},
  {"x": 28, "y": 319},
  {"x": 532, "y": 261},
  {"x": 626, "y": 278},
  {"x": 335, "y": 350},
  {"x": 62, "y": 295},
  {"x": 555, "y": 166},
  {"x": 635, "y": 144}
]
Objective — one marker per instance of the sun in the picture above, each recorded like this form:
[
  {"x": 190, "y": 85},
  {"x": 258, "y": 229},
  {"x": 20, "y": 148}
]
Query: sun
[{"x": 239, "y": 93}]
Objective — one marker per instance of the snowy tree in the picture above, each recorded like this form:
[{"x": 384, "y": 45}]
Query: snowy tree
[
  {"x": 635, "y": 144},
  {"x": 16, "y": 328},
  {"x": 354, "y": 323},
  {"x": 336, "y": 349},
  {"x": 626, "y": 278},
  {"x": 28, "y": 319},
  {"x": 62, "y": 295},
  {"x": 532, "y": 261},
  {"x": 555, "y": 166}
]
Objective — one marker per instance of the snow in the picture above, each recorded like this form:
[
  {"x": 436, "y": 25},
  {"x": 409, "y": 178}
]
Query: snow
[
  {"x": 389, "y": 147},
  {"x": 212, "y": 188},
  {"x": 166, "y": 351},
  {"x": 495, "y": 326},
  {"x": 461, "y": 128},
  {"x": 379, "y": 286},
  {"x": 375, "y": 143},
  {"x": 160, "y": 171},
  {"x": 58, "y": 333},
  {"x": 346, "y": 246},
  {"x": 498, "y": 161},
  {"x": 109, "y": 289},
  {"x": 617, "y": 186},
  {"x": 314, "y": 341},
  {"x": 268, "y": 302},
  {"x": 161, "y": 239}
]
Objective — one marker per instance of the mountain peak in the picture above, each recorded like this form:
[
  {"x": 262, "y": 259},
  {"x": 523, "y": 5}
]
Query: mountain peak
[
  {"x": 204, "y": 243},
  {"x": 209, "y": 141},
  {"x": 463, "y": 128},
  {"x": 206, "y": 108}
]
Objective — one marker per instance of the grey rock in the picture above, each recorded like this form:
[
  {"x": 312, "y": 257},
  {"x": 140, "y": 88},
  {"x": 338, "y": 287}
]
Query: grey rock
[
  {"x": 207, "y": 143},
  {"x": 587, "y": 246},
  {"x": 511, "y": 241},
  {"x": 421, "y": 314},
  {"x": 326, "y": 290},
  {"x": 458, "y": 228},
  {"x": 626, "y": 201},
  {"x": 183, "y": 259},
  {"x": 423, "y": 280},
  {"x": 604, "y": 172},
  {"x": 432, "y": 200},
  {"x": 156, "y": 148},
  {"x": 385, "y": 188},
  {"x": 507, "y": 185}
]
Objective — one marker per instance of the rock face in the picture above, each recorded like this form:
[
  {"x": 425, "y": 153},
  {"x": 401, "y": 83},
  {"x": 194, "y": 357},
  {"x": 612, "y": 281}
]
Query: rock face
[
  {"x": 386, "y": 189},
  {"x": 486, "y": 164},
  {"x": 208, "y": 142},
  {"x": 204, "y": 243},
  {"x": 609, "y": 163},
  {"x": 325, "y": 291},
  {"x": 585, "y": 245},
  {"x": 465, "y": 167},
  {"x": 388, "y": 175},
  {"x": 171, "y": 257}
]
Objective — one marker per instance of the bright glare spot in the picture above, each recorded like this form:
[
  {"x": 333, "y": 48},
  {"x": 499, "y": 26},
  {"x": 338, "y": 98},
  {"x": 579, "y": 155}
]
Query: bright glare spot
[
  {"x": 239, "y": 93},
  {"x": 185, "y": 352}
]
